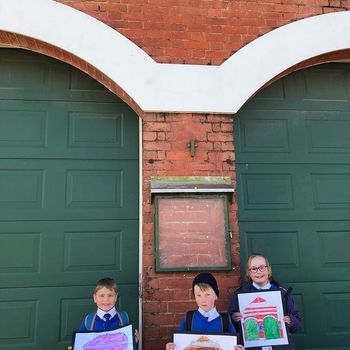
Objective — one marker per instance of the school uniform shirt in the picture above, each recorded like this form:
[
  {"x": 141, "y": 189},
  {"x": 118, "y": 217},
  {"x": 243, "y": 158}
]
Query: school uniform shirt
[
  {"x": 209, "y": 322},
  {"x": 101, "y": 324},
  {"x": 267, "y": 286}
]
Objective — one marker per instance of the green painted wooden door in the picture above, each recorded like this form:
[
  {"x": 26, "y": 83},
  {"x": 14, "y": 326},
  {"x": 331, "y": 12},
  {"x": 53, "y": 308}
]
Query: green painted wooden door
[
  {"x": 68, "y": 199},
  {"x": 293, "y": 182}
]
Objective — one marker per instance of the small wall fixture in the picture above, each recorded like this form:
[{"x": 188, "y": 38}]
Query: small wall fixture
[{"x": 192, "y": 146}]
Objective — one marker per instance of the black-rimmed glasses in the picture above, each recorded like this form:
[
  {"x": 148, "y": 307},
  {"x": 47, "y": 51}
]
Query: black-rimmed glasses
[{"x": 261, "y": 268}]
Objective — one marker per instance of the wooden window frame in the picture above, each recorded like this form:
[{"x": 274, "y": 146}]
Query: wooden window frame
[{"x": 227, "y": 233}]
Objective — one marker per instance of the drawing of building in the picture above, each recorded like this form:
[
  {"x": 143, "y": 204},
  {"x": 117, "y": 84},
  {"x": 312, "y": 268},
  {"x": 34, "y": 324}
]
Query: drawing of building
[{"x": 261, "y": 321}]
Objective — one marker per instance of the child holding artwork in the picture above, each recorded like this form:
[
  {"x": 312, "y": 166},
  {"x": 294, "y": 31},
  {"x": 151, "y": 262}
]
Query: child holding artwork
[
  {"x": 206, "y": 319},
  {"x": 107, "y": 317},
  {"x": 259, "y": 276}
]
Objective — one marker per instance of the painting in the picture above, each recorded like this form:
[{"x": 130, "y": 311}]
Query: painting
[
  {"x": 262, "y": 319},
  {"x": 118, "y": 339},
  {"x": 195, "y": 341}
]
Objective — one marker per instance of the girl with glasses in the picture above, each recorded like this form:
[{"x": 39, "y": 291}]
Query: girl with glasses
[{"x": 259, "y": 276}]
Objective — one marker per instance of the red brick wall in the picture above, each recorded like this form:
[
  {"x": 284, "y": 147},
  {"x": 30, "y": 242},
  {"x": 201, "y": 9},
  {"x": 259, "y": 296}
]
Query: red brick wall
[
  {"x": 199, "y": 31},
  {"x": 167, "y": 296}
]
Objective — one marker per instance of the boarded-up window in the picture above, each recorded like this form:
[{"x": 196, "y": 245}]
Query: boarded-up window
[{"x": 192, "y": 233}]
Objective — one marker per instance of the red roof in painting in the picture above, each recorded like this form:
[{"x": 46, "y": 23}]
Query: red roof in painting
[{"x": 258, "y": 300}]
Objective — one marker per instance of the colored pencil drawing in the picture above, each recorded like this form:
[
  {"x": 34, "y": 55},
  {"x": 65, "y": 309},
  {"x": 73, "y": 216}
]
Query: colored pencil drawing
[
  {"x": 194, "y": 341},
  {"x": 262, "y": 319},
  {"x": 118, "y": 339}
]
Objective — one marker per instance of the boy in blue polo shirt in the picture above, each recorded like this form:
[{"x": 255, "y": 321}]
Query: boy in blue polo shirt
[
  {"x": 206, "y": 319},
  {"x": 106, "y": 317}
]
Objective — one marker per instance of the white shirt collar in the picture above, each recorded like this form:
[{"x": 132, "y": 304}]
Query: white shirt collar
[
  {"x": 212, "y": 314},
  {"x": 101, "y": 313},
  {"x": 266, "y": 286}
]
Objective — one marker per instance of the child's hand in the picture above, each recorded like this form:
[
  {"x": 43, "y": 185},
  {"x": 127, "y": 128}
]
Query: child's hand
[
  {"x": 170, "y": 346},
  {"x": 239, "y": 347},
  {"x": 237, "y": 316},
  {"x": 287, "y": 320},
  {"x": 137, "y": 336}
]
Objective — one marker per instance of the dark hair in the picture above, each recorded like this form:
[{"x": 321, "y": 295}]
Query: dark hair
[{"x": 106, "y": 282}]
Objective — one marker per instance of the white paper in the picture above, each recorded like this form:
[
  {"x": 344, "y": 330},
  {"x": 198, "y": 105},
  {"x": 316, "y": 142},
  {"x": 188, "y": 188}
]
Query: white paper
[
  {"x": 262, "y": 319},
  {"x": 185, "y": 341},
  {"x": 121, "y": 338}
]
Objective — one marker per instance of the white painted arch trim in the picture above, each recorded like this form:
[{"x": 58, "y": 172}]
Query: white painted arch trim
[{"x": 173, "y": 87}]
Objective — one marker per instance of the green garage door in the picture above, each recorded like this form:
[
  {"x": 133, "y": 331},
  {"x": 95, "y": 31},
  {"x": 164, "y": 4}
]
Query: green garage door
[
  {"x": 293, "y": 183},
  {"x": 68, "y": 199}
]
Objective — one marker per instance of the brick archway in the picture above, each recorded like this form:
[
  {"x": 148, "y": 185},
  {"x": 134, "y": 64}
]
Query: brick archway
[
  {"x": 23, "y": 42},
  {"x": 146, "y": 85}
]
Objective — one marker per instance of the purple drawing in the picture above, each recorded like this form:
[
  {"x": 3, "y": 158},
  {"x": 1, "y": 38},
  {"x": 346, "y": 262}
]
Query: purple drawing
[{"x": 118, "y": 341}]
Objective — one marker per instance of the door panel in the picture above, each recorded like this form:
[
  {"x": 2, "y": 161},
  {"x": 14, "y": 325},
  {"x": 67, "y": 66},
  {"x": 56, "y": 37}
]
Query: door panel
[
  {"x": 294, "y": 191},
  {"x": 293, "y": 186},
  {"x": 50, "y": 189},
  {"x": 68, "y": 199},
  {"x": 68, "y": 130},
  {"x": 301, "y": 251}
]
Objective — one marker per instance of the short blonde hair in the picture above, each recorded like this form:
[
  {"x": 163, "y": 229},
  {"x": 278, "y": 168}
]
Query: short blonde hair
[
  {"x": 258, "y": 255},
  {"x": 108, "y": 283}
]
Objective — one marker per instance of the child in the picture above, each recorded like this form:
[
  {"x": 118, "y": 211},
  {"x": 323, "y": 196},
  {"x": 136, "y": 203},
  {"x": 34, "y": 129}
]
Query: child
[
  {"x": 107, "y": 317},
  {"x": 259, "y": 275},
  {"x": 206, "y": 319}
]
